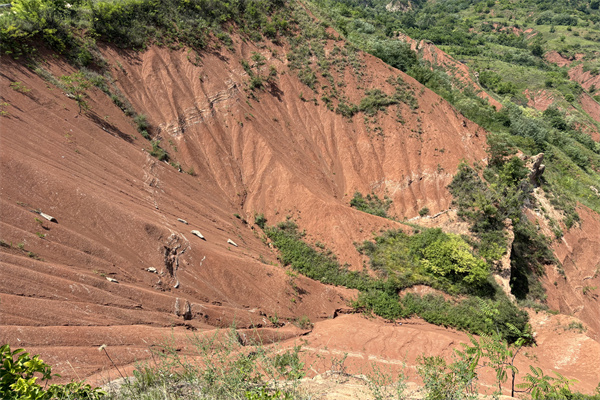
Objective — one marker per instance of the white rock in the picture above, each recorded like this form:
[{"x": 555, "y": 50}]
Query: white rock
[
  {"x": 197, "y": 233},
  {"x": 48, "y": 217}
]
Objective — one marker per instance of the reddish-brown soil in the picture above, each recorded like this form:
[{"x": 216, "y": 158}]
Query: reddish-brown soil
[
  {"x": 556, "y": 58},
  {"x": 539, "y": 100},
  {"x": 397, "y": 347},
  {"x": 575, "y": 290},
  {"x": 585, "y": 78},
  {"x": 116, "y": 208},
  {"x": 591, "y": 107}
]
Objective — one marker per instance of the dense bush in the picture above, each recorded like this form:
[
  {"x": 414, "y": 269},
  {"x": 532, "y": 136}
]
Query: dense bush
[
  {"x": 375, "y": 100},
  {"x": 395, "y": 53},
  {"x": 487, "y": 204},
  {"x": 311, "y": 263}
]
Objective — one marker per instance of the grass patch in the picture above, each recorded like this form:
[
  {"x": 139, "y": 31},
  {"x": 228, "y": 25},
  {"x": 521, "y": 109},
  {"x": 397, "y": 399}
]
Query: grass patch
[
  {"x": 371, "y": 204},
  {"x": 219, "y": 366}
]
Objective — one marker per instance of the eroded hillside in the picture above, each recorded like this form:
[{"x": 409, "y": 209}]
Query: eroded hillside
[
  {"x": 117, "y": 207},
  {"x": 120, "y": 265}
]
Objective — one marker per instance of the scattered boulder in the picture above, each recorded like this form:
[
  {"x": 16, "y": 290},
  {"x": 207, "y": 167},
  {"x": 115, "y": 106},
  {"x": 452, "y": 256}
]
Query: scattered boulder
[
  {"x": 152, "y": 270},
  {"x": 183, "y": 221},
  {"x": 231, "y": 242},
  {"x": 536, "y": 169},
  {"x": 197, "y": 233},
  {"x": 187, "y": 311},
  {"x": 48, "y": 217},
  {"x": 113, "y": 280}
]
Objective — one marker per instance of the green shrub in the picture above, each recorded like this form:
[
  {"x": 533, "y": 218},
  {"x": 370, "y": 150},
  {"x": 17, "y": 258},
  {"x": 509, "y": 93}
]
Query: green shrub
[
  {"x": 223, "y": 365},
  {"x": 380, "y": 295},
  {"x": 260, "y": 220},
  {"x": 395, "y": 53},
  {"x": 374, "y": 101},
  {"x": 371, "y": 204},
  {"x": 158, "y": 151},
  {"x": 451, "y": 257},
  {"x": 346, "y": 110},
  {"x": 19, "y": 373},
  {"x": 445, "y": 381},
  {"x": 309, "y": 262},
  {"x": 141, "y": 122}
]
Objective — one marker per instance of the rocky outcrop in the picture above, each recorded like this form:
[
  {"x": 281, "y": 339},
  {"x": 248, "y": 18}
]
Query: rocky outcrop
[
  {"x": 536, "y": 168},
  {"x": 502, "y": 267}
]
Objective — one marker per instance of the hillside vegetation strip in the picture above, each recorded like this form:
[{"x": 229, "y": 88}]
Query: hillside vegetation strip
[{"x": 426, "y": 265}]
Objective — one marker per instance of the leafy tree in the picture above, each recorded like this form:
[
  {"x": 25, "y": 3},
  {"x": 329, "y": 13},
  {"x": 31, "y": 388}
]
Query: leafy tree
[
  {"x": 537, "y": 49},
  {"x": 443, "y": 381},
  {"x": 542, "y": 386}
]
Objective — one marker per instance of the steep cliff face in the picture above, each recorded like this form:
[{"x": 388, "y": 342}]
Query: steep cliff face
[{"x": 574, "y": 289}]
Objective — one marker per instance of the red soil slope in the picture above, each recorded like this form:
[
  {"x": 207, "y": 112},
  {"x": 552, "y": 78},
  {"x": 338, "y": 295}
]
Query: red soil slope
[
  {"x": 575, "y": 291},
  {"x": 585, "y": 78},
  {"x": 539, "y": 100},
  {"x": 556, "y": 58},
  {"x": 397, "y": 347},
  {"x": 117, "y": 207}
]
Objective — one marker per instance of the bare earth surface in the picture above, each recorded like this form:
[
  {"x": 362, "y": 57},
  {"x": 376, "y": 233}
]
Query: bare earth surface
[{"x": 118, "y": 268}]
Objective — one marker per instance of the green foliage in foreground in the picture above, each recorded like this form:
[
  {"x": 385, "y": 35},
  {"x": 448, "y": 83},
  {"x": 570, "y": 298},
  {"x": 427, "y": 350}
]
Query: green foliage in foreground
[
  {"x": 457, "y": 379},
  {"x": 380, "y": 295},
  {"x": 218, "y": 366},
  {"x": 19, "y": 374}
]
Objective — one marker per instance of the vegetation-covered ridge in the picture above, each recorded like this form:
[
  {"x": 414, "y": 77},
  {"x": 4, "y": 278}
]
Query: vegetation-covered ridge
[
  {"x": 320, "y": 58},
  {"x": 72, "y": 27}
]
